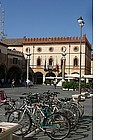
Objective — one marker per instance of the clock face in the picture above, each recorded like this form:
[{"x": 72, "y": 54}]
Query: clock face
[{"x": 63, "y": 48}]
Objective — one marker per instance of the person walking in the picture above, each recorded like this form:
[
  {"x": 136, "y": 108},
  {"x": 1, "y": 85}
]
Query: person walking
[
  {"x": 54, "y": 83},
  {"x": 13, "y": 83},
  {"x": 28, "y": 83}
]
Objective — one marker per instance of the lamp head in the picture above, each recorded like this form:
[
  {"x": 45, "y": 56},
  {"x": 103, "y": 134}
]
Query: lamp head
[{"x": 80, "y": 21}]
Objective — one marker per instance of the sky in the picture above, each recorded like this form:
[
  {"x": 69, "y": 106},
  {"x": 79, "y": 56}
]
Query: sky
[{"x": 47, "y": 18}]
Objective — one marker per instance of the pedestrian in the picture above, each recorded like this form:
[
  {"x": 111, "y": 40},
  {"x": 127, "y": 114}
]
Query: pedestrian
[
  {"x": 54, "y": 83},
  {"x": 28, "y": 83},
  {"x": 13, "y": 83}
]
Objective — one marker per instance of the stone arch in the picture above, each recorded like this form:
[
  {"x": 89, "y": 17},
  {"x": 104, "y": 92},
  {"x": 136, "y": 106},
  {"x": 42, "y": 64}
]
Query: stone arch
[
  {"x": 38, "y": 78},
  {"x": 50, "y": 74},
  {"x": 14, "y": 73},
  {"x": 51, "y": 79}
]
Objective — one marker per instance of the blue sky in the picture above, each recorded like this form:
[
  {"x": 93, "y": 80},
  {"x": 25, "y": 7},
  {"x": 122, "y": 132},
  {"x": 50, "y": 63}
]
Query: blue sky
[{"x": 47, "y": 18}]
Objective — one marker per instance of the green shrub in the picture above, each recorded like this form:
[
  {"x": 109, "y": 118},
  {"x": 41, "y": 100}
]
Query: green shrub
[
  {"x": 75, "y": 85},
  {"x": 83, "y": 84},
  {"x": 70, "y": 85},
  {"x": 64, "y": 85}
]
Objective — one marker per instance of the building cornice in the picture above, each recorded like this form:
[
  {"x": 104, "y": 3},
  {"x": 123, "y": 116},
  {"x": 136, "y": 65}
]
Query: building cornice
[
  {"x": 50, "y": 40},
  {"x": 53, "y": 40}
]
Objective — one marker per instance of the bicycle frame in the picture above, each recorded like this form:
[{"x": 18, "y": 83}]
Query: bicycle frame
[{"x": 27, "y": 109}]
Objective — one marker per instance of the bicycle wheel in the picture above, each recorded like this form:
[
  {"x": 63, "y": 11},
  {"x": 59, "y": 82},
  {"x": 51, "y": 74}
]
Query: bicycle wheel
[
  {"x": 24, "y": 119},
  {"x": 80, "y": 108},
  {"x": 71, "y": 117},
  {"x": 57, "y": 126},
  {"x": 75, "y": 111}
]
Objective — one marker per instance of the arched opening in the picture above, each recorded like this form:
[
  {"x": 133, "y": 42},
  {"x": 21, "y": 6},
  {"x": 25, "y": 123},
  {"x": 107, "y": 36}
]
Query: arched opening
[
  {"x": 51, "y": 61},
  {"x": 75, "y": 62},
  {"x": 14, "y": 73},
  {"x": 49, "y": 78},
  {"x": 38, "y": 78},
  {"x": 38, "y": 61}
]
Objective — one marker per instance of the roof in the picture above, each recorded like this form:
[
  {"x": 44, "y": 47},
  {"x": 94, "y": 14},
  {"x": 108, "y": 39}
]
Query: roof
[
  {"x": 12, "y": 41},
  {"x": 3, "y": 44}
]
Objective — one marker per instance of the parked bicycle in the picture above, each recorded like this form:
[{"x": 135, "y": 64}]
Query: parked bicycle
[{"x": 56, "y": 125}]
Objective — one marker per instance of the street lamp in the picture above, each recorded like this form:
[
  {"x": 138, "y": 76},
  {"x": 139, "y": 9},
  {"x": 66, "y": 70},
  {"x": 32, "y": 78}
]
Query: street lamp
[
  {"x": 28, "y": 62},
  {"x": 63, "y": 62},
  {"x": 81, "y": 23}
]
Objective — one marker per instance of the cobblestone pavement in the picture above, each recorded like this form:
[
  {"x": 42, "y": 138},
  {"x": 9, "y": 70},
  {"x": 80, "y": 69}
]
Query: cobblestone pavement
[{"x": 84, "y": 129}]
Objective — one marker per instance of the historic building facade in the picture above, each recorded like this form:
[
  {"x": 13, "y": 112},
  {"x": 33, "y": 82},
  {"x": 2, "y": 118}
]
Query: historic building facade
[
  {"x": 11, "y": 62},
  {"x": 46, "y": 56}
]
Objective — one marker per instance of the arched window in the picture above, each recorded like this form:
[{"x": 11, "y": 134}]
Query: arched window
[
  {"x": 51, "y": 61},
  {"x": 75, "y": 61},
  {"x": 38, "y": 61}
]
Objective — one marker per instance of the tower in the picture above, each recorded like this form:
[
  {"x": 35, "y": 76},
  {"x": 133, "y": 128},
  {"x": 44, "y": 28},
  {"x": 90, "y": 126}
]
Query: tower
[{"x": 2, "y": 34}]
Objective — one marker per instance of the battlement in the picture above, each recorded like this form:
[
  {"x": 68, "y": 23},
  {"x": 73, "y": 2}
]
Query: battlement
[{"x": 54, "y": 39}]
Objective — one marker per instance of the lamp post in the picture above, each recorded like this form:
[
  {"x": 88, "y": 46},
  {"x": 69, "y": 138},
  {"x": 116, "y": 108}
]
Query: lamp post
[
  {"x": 81, "y": 23},
  {"x": 63, "y": 62},
  {"x": 69, "y": 58},
  {"x": 28, "y": 62}
]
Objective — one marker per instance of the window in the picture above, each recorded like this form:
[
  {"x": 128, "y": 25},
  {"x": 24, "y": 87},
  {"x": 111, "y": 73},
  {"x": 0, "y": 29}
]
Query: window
[
  {"x": 50, "y": 61},
  {"x": 63, "y": 49},
  {"x": 27, "y": 49},
  {"x": 39, "y": 49},
  {"x": 51, "y": 49},
  {"x": 75, "y": 48},
  {"x": 38, "y": 62},
  {"x": 15, "y": 60},
  {"x": 75, "y": 61}
]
